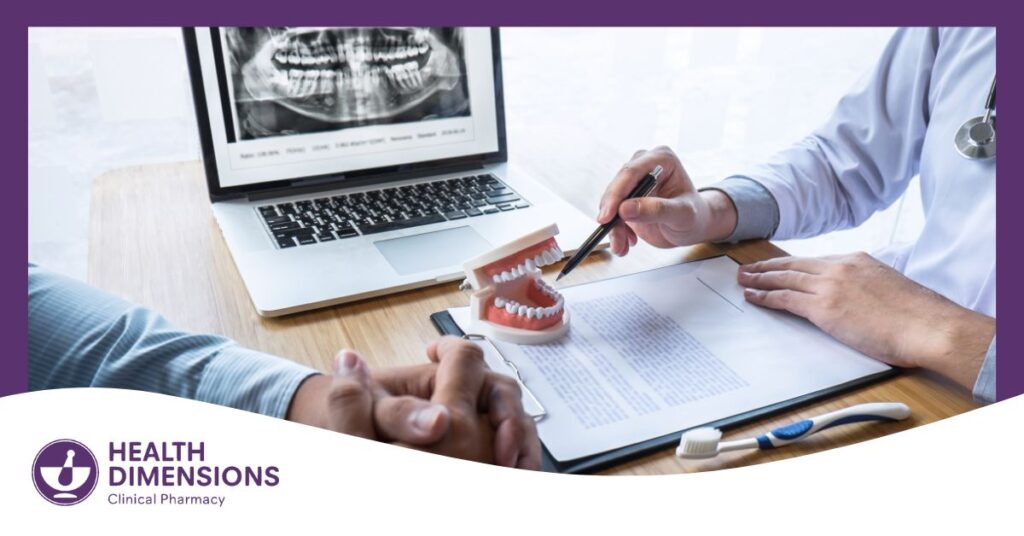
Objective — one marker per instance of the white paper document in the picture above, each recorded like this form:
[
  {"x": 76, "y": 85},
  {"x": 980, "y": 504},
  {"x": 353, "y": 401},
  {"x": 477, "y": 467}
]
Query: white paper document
[{"x": 657, "y": 352}]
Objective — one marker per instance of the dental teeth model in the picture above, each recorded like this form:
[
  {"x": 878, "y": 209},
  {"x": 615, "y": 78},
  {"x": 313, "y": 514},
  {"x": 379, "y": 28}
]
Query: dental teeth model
[{"x": 510, "y": 301}]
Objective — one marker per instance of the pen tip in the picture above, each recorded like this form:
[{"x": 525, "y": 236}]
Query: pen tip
[{"x": 559, "y": 277}]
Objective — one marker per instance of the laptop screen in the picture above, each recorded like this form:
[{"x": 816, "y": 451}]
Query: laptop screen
[{"x": 289, "y": 103}]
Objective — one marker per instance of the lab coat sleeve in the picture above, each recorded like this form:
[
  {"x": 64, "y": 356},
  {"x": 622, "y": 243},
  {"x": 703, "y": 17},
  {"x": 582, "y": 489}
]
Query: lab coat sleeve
[
  {"x": 985, "y": 385},
  {"x": 864, "y": 156},
  {"x": 757, "y": 213},
  {"x": 79, "y": 336}
]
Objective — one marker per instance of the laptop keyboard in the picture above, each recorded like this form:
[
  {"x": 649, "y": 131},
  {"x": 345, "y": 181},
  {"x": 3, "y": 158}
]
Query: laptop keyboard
[{"x": 338, "y": 217}]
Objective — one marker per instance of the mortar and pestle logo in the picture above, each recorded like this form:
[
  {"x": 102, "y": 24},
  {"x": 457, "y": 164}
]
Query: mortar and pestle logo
[{"x": 65, "y": 472}]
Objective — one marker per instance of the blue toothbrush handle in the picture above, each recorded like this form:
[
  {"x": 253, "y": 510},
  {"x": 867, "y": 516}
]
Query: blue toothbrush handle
[{"x": 877, "y": 411}]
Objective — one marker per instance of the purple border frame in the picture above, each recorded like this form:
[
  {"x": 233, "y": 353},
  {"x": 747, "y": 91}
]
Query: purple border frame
[{"x": 19, "y": 16}]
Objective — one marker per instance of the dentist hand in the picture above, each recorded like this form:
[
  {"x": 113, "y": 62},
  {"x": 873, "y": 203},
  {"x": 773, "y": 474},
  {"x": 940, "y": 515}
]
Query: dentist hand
[
  {"x": 876, "y": 310},
  {"x": 452, "y": 406},
  {"x": 675, "y": 214}
]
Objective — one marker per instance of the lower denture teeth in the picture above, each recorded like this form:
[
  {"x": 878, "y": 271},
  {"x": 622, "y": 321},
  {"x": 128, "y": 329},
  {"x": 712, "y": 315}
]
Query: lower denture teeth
[
  {"x": 522, "y": 310},
  {"x": 499, "y": 302},
  {"x": 510, "y": 307}
]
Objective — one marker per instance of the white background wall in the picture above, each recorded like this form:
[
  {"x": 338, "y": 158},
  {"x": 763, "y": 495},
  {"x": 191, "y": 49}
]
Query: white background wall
[{"x": 722, "y": 97}]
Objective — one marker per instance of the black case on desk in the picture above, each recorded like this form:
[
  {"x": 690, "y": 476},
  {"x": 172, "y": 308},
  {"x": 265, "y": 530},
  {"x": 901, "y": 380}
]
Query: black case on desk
[{"x": 598, "y": 462}]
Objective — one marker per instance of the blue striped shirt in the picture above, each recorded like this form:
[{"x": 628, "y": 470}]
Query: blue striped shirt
[{"x": 79, "y": 336}]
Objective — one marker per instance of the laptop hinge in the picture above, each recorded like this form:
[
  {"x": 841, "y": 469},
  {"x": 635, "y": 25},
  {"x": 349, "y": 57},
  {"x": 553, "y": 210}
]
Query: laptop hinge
[{"x": 334, "y": 182}]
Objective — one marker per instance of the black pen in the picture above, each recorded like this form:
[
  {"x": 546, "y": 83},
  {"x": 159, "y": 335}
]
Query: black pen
[{"x": 642, "y": 188}]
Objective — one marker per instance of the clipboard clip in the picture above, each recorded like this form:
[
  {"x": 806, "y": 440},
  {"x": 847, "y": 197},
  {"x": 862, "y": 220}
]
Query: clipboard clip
[{"x": 543, "y": 412}]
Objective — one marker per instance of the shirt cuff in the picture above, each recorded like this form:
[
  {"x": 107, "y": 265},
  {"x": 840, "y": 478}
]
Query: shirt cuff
[
  {"x": 757, "y": 212},
  {"x": 252, "y": 381},
  {"x": 985, "y": 385}
]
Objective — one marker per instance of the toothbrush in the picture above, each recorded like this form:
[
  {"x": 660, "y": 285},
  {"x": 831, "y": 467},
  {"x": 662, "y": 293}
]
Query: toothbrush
[{"x": 705, "y": 442}]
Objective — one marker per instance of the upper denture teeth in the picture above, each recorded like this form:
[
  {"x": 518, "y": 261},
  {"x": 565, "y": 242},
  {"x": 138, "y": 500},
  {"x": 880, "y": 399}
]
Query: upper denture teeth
[
  {"x": 539, "y": 260},
  {"x": 497, "y": 278},
  {"x": 530, "y": 265}
]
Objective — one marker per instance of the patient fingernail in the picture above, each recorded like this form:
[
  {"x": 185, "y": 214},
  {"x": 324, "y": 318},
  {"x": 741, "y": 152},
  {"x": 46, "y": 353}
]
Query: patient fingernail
[
  {"x": 426, "y": 419},
  {"x": 346, "y": 363}
]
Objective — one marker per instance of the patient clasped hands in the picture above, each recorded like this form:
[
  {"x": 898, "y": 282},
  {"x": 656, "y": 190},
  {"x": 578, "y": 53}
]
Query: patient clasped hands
[{"x": 453, "y": 405}]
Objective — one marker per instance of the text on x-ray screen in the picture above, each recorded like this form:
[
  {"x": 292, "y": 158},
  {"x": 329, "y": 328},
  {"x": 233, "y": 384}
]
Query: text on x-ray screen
[{"x": 303, "y": 80}]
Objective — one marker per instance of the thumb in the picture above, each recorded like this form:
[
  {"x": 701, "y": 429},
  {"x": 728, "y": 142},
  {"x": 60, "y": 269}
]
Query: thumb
[
  {"x": 656, "y": 210},
  {"x": 350, "y": 398},
  {"x": 410, "y": 420}
]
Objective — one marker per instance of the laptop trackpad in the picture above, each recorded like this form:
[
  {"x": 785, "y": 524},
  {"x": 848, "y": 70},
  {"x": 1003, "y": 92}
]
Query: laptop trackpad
[{"x": 429, "y": 251}]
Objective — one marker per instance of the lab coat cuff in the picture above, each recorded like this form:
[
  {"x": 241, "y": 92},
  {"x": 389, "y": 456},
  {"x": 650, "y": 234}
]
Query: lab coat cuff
[
  {"x": 985, "y": 385},
  {"x": 252, "y": 381},
  {"x": 757, "y": 212}
]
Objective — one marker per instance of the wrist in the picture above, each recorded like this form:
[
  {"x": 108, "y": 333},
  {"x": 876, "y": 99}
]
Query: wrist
[
  {"x": 721, "y": 217},
  {"x": 307, "y": 406},
  {"x": 965, "y": 339}
]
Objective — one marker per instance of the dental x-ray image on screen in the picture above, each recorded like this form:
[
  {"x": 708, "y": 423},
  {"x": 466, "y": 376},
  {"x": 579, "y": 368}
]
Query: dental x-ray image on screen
[{"x": 301, "y": 80}]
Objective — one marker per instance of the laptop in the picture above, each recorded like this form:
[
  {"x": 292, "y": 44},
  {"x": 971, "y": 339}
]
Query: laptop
[{"x": 348, "y": 163}]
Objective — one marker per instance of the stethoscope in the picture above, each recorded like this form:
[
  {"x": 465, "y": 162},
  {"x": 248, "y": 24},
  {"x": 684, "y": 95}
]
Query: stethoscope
[{"x": 976, "y": 139}]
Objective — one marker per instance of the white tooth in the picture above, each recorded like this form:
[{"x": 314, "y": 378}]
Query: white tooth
[
  {"x": 499, "y": 302},
  {"x": 510, "y": 307},
  {"x": 326, "y": 82},
  {"x": 497, "y": 278},
  {"x": 505, "y": 276},
  {"x": 522, "y": 310},
  {"x": 530, "y": 265},
  {"x": 559, "y": 253},
  {"x": 539, "y": 260},
  {"x": 531, "y": 312}
]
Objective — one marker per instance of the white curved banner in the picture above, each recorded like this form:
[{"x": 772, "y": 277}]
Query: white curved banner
[{"x": 165, "y": 465}]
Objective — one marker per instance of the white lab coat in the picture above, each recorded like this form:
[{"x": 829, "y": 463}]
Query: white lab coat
[{"x": 899, "y": 122}]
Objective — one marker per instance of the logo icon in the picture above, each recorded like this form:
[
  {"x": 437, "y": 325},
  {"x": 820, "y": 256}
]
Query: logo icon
[{"x": 65, "y": 472}]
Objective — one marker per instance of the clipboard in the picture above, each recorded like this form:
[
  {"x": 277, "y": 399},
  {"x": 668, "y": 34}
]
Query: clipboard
[{"x": 446, "y": 325}]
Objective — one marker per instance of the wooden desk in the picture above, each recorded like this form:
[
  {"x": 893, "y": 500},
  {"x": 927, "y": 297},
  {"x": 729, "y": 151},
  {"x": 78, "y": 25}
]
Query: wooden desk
[{"x": 153, "y": 240}]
